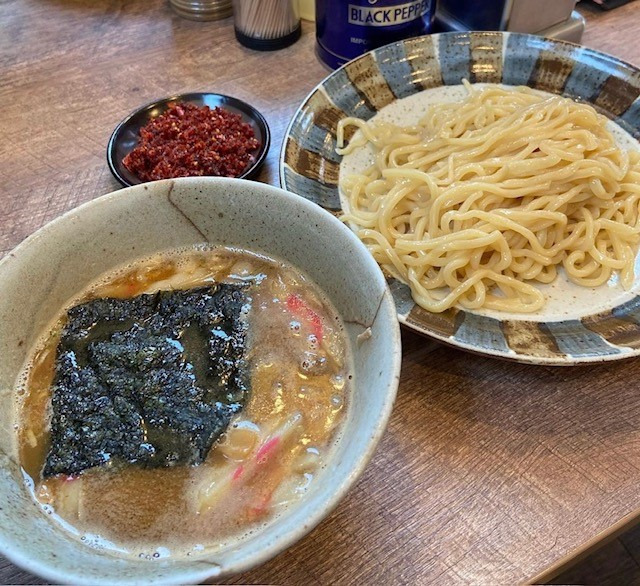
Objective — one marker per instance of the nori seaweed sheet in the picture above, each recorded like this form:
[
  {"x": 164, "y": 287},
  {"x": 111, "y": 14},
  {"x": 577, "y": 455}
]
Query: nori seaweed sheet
[{"x": 152, "y": 380}]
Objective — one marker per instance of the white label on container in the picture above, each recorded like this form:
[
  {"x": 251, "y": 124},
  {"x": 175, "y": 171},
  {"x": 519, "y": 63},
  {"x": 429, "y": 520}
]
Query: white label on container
[{"x": 388, "y": 15}]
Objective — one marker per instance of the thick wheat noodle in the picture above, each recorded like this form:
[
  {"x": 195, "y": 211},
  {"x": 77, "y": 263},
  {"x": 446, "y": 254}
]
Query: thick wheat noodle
[{"x": 484, "y": 198}]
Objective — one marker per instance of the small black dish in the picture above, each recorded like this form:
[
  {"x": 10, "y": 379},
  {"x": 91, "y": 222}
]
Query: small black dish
[{"x": 125, "y": 137}]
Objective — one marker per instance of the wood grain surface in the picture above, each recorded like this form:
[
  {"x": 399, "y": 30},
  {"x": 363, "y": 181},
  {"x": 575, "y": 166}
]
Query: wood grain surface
[{"x": 490, "y": 472}]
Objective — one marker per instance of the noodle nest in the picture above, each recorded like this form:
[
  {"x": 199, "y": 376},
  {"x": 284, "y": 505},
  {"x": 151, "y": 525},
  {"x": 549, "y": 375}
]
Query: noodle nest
[{"x": 485, "y": 198}]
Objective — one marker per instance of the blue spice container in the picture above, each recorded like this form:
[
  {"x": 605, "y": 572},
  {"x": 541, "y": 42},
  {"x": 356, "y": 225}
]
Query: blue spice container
[{"x": 346, "y": 29}]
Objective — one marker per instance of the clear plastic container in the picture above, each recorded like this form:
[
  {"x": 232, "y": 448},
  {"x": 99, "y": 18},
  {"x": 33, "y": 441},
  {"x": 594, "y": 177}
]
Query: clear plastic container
[
  {"x": 307, "y": 9},
  {"x": 266, "y": 25}
]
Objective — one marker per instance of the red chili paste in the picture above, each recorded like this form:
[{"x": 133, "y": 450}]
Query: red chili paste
[{"x": 189, "y": 140}]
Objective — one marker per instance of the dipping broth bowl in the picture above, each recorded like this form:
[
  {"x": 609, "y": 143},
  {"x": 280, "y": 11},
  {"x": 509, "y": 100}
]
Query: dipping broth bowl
[{"x": 41, "y": 275}]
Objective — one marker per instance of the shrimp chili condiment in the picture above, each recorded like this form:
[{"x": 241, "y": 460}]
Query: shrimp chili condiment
[{"x": 189, "y": 140}]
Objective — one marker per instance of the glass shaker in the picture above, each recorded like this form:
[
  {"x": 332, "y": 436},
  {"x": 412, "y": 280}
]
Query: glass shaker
[{"x": 202, "y": 9}]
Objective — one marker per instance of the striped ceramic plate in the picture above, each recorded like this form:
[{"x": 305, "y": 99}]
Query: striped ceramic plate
[{"x": 589, "y": 326}]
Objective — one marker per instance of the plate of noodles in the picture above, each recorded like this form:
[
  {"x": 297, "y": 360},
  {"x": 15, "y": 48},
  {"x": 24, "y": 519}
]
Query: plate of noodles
[{"x": 495, "y": 177}]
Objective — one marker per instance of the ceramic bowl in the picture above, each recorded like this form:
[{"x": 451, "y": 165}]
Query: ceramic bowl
[
  {"x": 578, "y": 324},
  {"x": 61, "y": 259}
]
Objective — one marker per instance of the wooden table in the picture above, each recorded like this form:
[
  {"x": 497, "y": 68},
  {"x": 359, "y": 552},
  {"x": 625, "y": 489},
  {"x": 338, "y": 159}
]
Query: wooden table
[{"x": 489, "y": 471}]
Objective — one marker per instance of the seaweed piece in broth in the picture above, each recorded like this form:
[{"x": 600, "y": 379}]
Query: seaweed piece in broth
[{"x": 152, "y": 380}]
